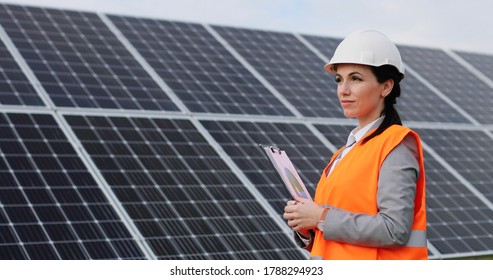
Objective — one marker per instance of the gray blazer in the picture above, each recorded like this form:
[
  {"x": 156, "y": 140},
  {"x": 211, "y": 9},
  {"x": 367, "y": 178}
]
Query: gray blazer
[{"x": 391, "y": 226}]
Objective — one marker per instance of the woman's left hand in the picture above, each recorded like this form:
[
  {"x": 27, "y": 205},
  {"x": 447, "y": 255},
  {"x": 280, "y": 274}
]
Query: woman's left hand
[{"x": 302, "y": 214}]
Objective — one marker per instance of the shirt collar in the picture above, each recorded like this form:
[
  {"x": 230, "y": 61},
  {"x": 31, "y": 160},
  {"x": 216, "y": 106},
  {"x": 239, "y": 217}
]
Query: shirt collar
[{"x": 356, "y": 134}]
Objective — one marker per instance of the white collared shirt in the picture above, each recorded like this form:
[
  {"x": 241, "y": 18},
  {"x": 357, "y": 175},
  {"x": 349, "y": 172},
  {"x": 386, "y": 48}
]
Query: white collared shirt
[{"x": 354, "y": 137}]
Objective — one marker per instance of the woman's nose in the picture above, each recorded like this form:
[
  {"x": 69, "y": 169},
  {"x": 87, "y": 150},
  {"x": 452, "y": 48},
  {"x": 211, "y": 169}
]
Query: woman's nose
[{"x": 342, "y": 88}]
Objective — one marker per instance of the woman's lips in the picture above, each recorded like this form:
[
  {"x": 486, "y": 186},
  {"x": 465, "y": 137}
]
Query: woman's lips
[{"x": 346, "y": 103}]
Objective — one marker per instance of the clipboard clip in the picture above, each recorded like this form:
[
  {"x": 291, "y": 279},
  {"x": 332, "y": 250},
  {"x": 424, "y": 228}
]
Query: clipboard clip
[{"x": 274, "y": 149}]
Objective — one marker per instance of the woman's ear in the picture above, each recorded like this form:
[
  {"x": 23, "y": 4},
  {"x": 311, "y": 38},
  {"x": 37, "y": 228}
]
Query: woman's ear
[{"x": 387, "y": 87}]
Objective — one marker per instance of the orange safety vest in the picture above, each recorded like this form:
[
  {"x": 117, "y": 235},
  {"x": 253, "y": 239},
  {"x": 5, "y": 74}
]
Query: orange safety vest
[{"x": 352, "y": 186}]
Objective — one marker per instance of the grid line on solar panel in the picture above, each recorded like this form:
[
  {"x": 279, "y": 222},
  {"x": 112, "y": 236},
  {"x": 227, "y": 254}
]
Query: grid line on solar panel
[
  {"x": 452, "y": 79},
  {"x": 199, "y": 70},
  {"x": 417, "y": 102},
  {"x": 48, "y": 199},
  {"x": 289, "y": 66},
  {"x": 15, "y": 88},
  {"x": 158, "y": 171},
  {"x": 79, "y": 62}
]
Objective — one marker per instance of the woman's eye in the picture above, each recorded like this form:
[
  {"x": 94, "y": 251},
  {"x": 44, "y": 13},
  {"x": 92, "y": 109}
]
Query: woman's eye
[
  {"x": 354, "y": 78},
  {"x": 338, "y": 80}
]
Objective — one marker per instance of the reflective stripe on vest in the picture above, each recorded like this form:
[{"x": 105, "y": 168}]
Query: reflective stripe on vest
[{"x": 416, "y": 239}]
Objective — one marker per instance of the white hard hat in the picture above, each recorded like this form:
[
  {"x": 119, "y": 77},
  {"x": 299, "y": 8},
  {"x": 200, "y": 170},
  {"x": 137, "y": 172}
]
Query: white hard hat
[{"x": 367, "y": 47}]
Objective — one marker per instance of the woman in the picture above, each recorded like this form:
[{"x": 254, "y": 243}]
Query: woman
[{"x": 370, "y": 200}]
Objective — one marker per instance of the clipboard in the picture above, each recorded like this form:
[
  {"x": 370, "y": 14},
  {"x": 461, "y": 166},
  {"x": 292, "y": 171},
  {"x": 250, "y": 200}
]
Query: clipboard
[{"x": 286, "y": 170}]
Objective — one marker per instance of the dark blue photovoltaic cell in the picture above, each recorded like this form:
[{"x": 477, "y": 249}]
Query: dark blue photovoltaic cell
[
  {"x": 453, "y": 80},
  {"x": 15, "y": 89},
  {"x": 79, "y": 61},
  {"x": 198, "y": 68},
  {"x": 50, "y": 205},
  {"x": 288, "y": 65},
  {"x": 417, "y": 102},
  {"x": 183, "y": 198}
]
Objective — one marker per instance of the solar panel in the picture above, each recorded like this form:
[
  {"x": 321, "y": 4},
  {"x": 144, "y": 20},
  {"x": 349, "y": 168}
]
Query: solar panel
[
  {"x": 199, "y": 70},
  {"x": 482, "y": 62},
  {"x": 50, "y": 205},
  {"x": 453, "y": 81},
  {"x": 183, "y": 198},
  {"x": 419, "y": 103},
  {"x": 458, "y": 222},
  {"x": 79, "y": 61},
  {"x": 468, "y": 151},
  {"x": 15, "y": 88},
  {"x": 290, "y": 67}
]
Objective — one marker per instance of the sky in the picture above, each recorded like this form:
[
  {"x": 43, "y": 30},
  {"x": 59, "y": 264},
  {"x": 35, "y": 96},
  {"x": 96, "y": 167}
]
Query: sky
[{"x": 448, "y": 24}]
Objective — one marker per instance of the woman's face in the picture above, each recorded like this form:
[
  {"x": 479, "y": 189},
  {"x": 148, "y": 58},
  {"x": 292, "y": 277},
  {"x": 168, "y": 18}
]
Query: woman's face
[{"x": 360, "y": 94}]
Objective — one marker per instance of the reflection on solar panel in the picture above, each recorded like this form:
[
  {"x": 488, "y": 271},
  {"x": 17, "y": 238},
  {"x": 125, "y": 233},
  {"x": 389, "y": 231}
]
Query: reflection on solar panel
[
  {"x": 198, "y": 68},
  {"x": 453, "y": 80},
  {"x": 240, "y": 139},
  {"x": 183, "y": 198},
  {"x": 15, "y": 89},
  {"x": 50, "y": 205},
  {"x": 288, "y": 65},
  {"x": 147, "y": 180},
  {"x": 79, "y": 62}
]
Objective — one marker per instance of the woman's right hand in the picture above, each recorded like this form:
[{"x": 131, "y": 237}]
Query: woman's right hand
[{"x": 298, "y": 215}]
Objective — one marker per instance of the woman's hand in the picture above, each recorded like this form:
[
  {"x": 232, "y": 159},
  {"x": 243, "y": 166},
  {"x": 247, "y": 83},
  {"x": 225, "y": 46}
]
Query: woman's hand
[{"x": 302, "y": 214}]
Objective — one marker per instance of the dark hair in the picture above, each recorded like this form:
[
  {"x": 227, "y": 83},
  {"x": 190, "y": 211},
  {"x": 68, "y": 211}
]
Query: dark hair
[{"x": 384, "y": 73}]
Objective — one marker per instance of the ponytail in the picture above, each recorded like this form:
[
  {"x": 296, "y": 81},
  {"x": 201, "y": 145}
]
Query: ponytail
[{"x": 384, "y": 73}]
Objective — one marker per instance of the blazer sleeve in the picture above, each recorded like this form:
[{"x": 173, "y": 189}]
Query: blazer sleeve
[{"x": 391, "y": 226}]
